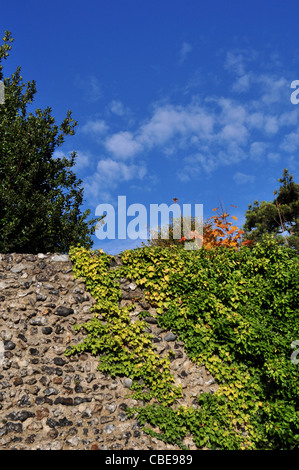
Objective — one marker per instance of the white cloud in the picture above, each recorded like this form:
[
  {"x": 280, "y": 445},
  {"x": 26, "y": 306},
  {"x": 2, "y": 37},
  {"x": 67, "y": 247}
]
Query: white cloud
[
  {"x": 58, "y": 154},
  {"x": 265, "y": 123},
  {"x": 235, "y": 63},
  {"x": 232, "y": 111},
  {"x": 213, "y": 132},
  {"x": 273, "y": 157},
  {"x": 271, "y": 125},
  {"x": 186, "y": 48},
  {"x": 242, "y": 84},
  {"x": 275, "y": 90},
  {"x": 290, "y": 142},
  {"x": 82, "y": 159},
  {"x": 271, "y": 88},
  {"x": 292, "y": 163},
  {"x": 109, "y": 173},
  {"x": 171, "y": 121},
  {"x": 110, "y": 170},
  {"x": 194, "y": 166},
  {"x": 116, "y": 107},
  {"x": 97, "y": 127},
  {"x": 257, "y": 150},
  {"x": 289, "y": 118},
  {"x": 122, "y": 145},
  {"x": 256, "y": 120},
  {"x": 217, "y": 131},
  {"x": 167, "y": 123},
  {"x": 234, "y": 132},
  {"x": 242, "y": 178}
]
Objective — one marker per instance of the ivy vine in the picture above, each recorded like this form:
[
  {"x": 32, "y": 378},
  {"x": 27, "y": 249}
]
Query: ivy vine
[{"x": 236, "y": 312}]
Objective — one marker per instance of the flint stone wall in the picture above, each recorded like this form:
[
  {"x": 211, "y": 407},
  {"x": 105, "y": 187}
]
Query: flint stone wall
[{"x": 50, "y": 401}]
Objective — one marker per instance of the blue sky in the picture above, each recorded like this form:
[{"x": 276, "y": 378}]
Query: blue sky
[{"x": 182, "y": 99}]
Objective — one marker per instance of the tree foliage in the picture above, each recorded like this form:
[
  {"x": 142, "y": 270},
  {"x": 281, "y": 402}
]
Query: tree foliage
[
  {"x": 40, "y": 195},
  {"x": 279, "y": 217},
  {"x": 217, "y": 231}
]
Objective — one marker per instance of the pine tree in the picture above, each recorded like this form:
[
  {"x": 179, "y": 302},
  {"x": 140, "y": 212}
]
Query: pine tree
[{"x": 279, "y": 217}]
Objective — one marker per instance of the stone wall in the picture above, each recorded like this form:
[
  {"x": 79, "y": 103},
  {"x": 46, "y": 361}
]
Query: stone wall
[{"x": 50, "y": 401}]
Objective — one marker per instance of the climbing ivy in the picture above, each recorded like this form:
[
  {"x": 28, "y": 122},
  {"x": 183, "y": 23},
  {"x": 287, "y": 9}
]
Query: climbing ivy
[
  {"x": 124, "y": 347},
  {"x": 236, "y": 312}
]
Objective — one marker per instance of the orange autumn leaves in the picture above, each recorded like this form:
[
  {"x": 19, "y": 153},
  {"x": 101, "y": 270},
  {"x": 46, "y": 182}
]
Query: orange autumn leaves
[{"x": 218, "y": 231}]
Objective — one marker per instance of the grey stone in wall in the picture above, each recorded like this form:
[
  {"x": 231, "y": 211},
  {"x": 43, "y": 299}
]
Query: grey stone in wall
[{"x": 52, "y": 402}]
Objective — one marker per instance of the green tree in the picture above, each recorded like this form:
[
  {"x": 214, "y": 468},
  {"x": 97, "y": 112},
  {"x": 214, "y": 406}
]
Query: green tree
[
  {"x": 279, "y": 217},
  {"x": 40, "y": 195}
]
